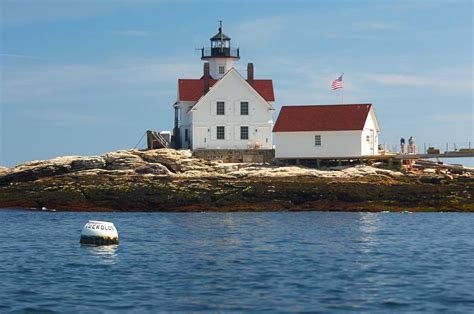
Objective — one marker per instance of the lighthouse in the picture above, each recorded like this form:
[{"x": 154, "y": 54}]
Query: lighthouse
[
  {"x": 220, "y": 55},
  {"x": 223, "y": 110}
]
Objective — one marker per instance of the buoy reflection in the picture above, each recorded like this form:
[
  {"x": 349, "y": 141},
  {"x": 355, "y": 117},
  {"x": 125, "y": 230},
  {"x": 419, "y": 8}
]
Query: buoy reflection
[{"x": 106, "y": 253}]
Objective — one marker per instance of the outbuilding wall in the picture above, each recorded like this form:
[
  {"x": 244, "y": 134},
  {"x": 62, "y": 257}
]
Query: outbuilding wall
[
  {"x": 369, "y": 135},
  {"x": 333, "y": 144}
]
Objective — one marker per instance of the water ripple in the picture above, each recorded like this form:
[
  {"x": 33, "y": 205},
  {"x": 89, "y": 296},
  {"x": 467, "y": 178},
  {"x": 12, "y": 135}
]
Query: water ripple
[{"x": 262, "y": 262}]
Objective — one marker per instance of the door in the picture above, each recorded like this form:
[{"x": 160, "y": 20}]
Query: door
[
  {"x": 371, "y": 142},
  {"x": 200, "y": 138},
  {"x": 263, "y": 137}
]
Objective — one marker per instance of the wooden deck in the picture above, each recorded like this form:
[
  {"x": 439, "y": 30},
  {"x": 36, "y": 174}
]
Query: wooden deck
[
  {"x": 393, "y": 160},
  {"x": 420, "y": 156},
  {"x": 391, "y": 156}
]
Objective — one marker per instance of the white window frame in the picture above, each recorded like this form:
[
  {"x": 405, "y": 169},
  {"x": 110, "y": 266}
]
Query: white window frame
[
  {"x": 223, "y": 108},
  {"x": 243, "y": 127},
  {"x": 318, "y": 140},
  {"x": 248, "y": 108},
  {"x": 217, "y": 132},
  {"x": 221, "y": 69}
]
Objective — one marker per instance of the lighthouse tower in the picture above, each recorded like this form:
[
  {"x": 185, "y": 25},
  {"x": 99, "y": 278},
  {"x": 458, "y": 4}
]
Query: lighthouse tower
[
  {"x": 220, "y": 55},
  {"x": 222, "y": 109}
]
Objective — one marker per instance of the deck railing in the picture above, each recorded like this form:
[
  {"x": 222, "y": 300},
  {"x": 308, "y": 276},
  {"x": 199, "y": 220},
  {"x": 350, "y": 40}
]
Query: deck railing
[
  {"x": 429, "y": 148},
  {"x": 220, "y": 52}
]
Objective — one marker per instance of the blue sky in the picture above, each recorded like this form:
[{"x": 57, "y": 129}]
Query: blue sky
[{"x": 86, "y": 77}]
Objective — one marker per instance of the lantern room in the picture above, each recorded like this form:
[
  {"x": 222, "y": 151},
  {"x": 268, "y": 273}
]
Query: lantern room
[{"x": 220, "y": 47}]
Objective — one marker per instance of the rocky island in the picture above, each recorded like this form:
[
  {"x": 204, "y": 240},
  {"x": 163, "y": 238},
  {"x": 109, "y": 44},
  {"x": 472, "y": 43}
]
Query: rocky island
[{"x": 172, "y": 180}]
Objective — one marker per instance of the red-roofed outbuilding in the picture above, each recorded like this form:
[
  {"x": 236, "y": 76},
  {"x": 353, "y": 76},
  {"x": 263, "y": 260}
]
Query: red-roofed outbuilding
[{"x": 326, "y": 131}]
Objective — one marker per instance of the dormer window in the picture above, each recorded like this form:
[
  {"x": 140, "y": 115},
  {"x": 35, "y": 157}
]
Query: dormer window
[{"x": 221, "y": 69}]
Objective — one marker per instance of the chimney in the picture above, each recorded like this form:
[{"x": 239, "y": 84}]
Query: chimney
[
  {"x": 206, "y": 77},
  {"x": 250, "y": 73}
]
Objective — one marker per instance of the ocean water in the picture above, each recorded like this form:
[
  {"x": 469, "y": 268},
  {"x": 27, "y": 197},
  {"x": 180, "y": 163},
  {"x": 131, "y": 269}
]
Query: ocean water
[{"x": 259, "y": 262}]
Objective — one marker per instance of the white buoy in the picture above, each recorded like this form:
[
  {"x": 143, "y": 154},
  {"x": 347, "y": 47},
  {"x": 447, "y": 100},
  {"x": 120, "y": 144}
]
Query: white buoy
[{"x": 99, "y": 233}]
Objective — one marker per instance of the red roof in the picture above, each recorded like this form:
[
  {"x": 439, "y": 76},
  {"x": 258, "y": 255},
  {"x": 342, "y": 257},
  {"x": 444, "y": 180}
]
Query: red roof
[
  {"x": 322, "y": 118},
  {"x": 265, "y": 89},
  {"x": 193, "y": 89}
]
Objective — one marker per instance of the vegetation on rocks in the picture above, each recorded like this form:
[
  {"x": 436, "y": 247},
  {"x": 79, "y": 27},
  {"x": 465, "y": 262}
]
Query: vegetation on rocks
[{"x": 170, "y": 180}]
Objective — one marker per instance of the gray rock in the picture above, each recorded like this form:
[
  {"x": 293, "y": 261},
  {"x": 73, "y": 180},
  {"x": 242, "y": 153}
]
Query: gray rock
[
  {"x": 34, "y": 173},
  {"x": 88, "y": 163},
  {"x": 152, "y": 169},
  {"x": 4, "y": 171},
  {"x": 177, "y": 161},
  {"x": 122, "y": 160}
]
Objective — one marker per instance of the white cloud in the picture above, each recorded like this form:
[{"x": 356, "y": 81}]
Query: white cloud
[
  {"x": 377, "y": 26},
  {"x": 431, "y": 80},
  {"x": 10, "y": 55},
  {"x": 297, "y": 81},
  {"x": 453, "y": 117},
  {"x": 262, "y": 31},
  {"x": 133, "y": 33},
  {"x": 62, "y": 116},
  {"x": 399, "y": 79},
  {"x": 69, "y": 82},
  {"x": 25, "y": 12},
  {"x": 410, "y": 5}
]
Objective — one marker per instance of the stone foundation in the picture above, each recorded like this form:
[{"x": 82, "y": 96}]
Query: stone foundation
[{"x": 237, "y": 155}]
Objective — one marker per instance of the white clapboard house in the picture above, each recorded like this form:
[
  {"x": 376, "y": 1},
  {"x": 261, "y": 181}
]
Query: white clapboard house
[
  {"x": 326, "y": 131},
  {"x": 222, "y": 109}
]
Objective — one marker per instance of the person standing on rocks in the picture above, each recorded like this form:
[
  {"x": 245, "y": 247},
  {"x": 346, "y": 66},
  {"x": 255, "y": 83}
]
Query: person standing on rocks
[
  {"x": 411, "y": 145},
  {"x": 402, "y": 145}
]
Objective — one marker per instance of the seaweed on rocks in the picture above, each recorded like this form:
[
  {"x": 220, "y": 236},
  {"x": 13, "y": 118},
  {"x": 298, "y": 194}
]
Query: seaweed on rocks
[{"x": 170, "y": 180}]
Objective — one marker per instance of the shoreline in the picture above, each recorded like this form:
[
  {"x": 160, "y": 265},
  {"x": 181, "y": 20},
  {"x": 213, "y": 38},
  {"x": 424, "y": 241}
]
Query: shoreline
[
  {"x": 173, "y": 181},
  {"x": 334, "y": 208}
]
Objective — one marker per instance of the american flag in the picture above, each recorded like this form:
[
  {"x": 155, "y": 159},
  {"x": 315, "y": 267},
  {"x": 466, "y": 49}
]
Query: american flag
[{"x": 337, "y": 83}]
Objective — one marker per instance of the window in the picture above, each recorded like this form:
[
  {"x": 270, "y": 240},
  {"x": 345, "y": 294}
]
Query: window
[
  {"x": 244, "y": 108},
  {"x": 221, "y": 69},
  {"x": 220, "y": 132},
  {"x": 220, "y": 110},
  {"x": 244, "y": 132},
  {"x": 186, "y": 135},
  {"x": 317, "y": 140}
]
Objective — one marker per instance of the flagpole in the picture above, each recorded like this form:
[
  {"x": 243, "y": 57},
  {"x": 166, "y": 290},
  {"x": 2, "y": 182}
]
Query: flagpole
[
  {"x": 342, "y": 89},
  {"x": 338, "y": 84}
]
